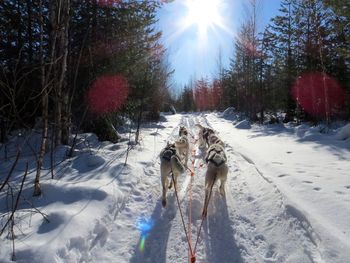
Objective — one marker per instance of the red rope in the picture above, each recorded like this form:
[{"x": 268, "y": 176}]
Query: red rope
[
  {"x": 204, "y": 215},
  {"x": 190, "y": 215},
  {"x": 191, "y": 251},
  {"x": 182, "y": 217}
]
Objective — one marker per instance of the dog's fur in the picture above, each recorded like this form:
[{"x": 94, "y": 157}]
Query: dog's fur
[
  {"x": 183, "y": 131},
  {"x": 217, "y": 169},
  {"x": 170, "y": 163},
  {"x": 183, "y": 148},
  {"x": 214, "y": 139},
  {"x": 203, "y": 135}
]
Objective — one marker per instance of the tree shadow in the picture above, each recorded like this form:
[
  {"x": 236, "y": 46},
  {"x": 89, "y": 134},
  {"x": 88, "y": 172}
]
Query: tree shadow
[
  {"x": 220, "y": 243},
  {"x": 153, "y": 247}
]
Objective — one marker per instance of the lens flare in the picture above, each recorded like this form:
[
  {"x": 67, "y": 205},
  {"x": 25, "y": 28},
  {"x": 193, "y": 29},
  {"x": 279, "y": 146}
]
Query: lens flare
[
  {"x": 107, "y": 94},
  {"x": 318, "y": 94},
  {"x": 145, "y": 225},
  {"x": 142, "y": 243}
]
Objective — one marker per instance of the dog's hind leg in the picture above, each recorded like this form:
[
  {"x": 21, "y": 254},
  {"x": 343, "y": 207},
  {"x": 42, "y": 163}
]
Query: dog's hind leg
[
  {"x": 186, "y": 158},
  {"x": 209, "y": 184},
  {"x": 171, "y": 182},
  {"x": 223, "y": 178},
  {"x": 164, "y": 179}
]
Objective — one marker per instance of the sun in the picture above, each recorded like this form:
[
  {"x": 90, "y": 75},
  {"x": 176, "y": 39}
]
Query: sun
[{"x": 204, "y": 14}]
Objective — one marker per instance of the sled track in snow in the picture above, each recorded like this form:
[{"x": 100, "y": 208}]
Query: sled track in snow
[
  {"x": 241, "y": 228},
  {"x": 252, "y": 224}
]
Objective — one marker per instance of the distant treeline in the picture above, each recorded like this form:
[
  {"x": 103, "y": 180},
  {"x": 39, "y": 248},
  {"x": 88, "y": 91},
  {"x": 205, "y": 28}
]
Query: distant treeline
[{"x": 306, "y": 46}]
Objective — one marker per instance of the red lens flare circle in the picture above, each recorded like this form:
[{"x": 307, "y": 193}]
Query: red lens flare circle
[
  {"x": 318, "y": 94},
  {"x": 107, "y": 94}
]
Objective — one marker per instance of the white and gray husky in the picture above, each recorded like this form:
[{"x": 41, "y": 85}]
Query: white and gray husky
[
  {"x": 183, "y": 131},
  {"x": 183, "y": 148},
  {"x": 170, "y": 165},
  {"x": 203, "y": 135},
  {"x": 214, "y": 139},
  {"x": 217, "y": 170}
]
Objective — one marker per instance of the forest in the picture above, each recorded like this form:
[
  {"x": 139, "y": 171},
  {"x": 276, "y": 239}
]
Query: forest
[{"x": 305, "y": 49}]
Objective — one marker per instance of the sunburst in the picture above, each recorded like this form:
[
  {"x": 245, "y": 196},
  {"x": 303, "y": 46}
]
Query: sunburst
[{"x": 204, "y": 14}]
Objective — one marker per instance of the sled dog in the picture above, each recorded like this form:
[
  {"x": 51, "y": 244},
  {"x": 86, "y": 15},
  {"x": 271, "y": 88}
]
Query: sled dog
[
  {"x": 170, "y": 164},
  {"x": 203, "y": 135},
  {"x": 214, "y": 139},
  {"x": 183, "y": 148},
  {"x": 217, "y": 169},
  {"x": 183, "y": 131}
]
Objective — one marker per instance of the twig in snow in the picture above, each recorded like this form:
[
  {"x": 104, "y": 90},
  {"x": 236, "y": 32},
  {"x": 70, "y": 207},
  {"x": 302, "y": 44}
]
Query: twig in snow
[
  {"x": 17, "y": 201},
  {"x": 11, "y": 171}
]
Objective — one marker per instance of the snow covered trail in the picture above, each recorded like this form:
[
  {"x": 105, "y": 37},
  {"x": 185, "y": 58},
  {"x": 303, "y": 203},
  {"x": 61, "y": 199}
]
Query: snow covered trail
[
  {"x": 279, "y": 206},
  {"x": 251, "y": 225}
]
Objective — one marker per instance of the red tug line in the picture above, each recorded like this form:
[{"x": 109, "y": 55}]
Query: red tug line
[{"x": 191, "y": 250}]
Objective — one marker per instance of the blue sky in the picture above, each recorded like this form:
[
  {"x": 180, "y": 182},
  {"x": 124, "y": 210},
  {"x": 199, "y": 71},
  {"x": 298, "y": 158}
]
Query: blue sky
[{"x": 193, "y": 55}]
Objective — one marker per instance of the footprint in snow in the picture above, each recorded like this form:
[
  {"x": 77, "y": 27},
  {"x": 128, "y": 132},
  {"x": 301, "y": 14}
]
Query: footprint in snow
[
  {"x": 283, "y": 175},
  {"x": 317, "y": 188},
  {"x": 347, "y": 186},
  {"x": 277, "y": 163},
  {"x": 250, "y": 199},
  {"x": 307, "y": 182}
]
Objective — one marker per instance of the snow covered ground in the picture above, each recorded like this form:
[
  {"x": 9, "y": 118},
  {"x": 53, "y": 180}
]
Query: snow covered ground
[{"x": 287, "y": 199}]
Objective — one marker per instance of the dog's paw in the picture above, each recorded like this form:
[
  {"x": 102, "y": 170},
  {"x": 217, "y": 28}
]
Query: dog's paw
[{"x": 163, "y": 202}]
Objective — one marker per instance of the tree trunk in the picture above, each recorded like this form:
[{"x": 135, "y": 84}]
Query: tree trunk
[
  {"x": 45, "y": 108},
  {"x": 65, "y": 122},
  {"x": 61, "y": 101},
  {"x": 139, "y": 118}
]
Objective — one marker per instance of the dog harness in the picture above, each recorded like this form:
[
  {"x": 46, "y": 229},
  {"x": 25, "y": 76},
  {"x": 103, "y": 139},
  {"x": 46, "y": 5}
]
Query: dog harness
[
  {"x": 211, "y": 157},
  {"x": 169, "y": 151}
]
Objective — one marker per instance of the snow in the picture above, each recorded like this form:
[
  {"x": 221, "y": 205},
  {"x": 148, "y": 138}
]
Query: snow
[
  {"x": 287, "y": 197},
  {"x": 344, "y": 132}
]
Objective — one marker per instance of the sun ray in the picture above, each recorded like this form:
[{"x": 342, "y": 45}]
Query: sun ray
[{"x": 204, "y": 14}]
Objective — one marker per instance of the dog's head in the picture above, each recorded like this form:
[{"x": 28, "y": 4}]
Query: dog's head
[
  {"x": 183, "y": 131},
  {"x": 206, "y": 133},
  {"x": 181, "y": 142}
]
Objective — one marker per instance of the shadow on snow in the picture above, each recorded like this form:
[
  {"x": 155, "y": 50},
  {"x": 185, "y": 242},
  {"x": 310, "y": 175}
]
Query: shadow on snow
[{"x": 155, "y": 244}]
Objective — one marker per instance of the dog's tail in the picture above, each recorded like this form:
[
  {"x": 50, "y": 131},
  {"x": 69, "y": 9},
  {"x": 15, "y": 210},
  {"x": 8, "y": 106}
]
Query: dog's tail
[{"x": 176, "y": 164}]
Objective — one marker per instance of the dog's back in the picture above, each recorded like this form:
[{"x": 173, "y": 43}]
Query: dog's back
[
  {"x": 170, "y": 164},
  {"x": 214, "y": 139},
  {"x": 217, "y": 169}
]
